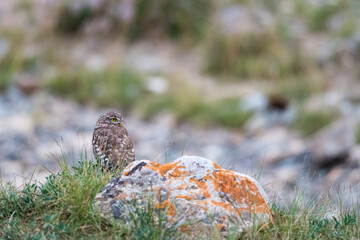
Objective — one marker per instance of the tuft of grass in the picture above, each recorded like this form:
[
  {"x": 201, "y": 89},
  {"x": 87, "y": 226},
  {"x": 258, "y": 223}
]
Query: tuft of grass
[
  {"x": 116, "y": 88},
  {"x": 308, "y": 122},
  {"x": 62, "y": 208},
  {"x": 297, "y": 221}
]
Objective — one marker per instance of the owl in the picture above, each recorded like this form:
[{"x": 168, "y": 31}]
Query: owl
[{"x": 111, "y": 143}]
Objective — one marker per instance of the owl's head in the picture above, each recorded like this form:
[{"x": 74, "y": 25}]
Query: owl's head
[{"x": 113, "y": 118}]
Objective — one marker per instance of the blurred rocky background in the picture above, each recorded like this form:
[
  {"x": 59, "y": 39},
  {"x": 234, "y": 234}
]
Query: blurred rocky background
[{"x": 270, "y": 88}]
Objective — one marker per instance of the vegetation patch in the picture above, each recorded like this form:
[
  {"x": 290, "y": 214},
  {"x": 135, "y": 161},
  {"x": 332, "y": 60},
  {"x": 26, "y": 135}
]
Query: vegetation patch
[
  {"x": 11, "y": 62},
  {"x": 189, "y": 106},
  {"x": 171, "y": 18},
  {"x": 252, "y": 55},
  {"x": 72, "y": 19},
  {"x": 117, "y": 88},
  {"x": 61, "y": 208},
  {"x": 163, "y": 18},
  {"x": 309, "y": 122},
  {"x": 298, "y": 89}
]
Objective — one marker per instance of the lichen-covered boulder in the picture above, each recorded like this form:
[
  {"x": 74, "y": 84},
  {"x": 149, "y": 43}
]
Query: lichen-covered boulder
[{"x": 194, "y": 192}]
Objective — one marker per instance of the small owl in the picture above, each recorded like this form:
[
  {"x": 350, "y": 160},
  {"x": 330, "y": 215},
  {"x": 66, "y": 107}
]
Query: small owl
[{"x": 112, "y": 146}]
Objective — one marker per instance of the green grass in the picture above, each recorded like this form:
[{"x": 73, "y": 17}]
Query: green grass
[
  {"x": 187, "y": 106},
  {"x": 116, "y": 88},
  {"x": 358, "y": 134},
  {"x": 317, "y": 16},
  {"x": 12, "y": 62},
  {"x": 309, "y": 122},
  {"x": 297, "y": 89},
  {"x": 126, "y": 90},
  {"x": 163, "y": 18},
  {"x": 171, "y": 18},
  {"x": 258, "y": 55},
  {"x": 61, "y": 208}
]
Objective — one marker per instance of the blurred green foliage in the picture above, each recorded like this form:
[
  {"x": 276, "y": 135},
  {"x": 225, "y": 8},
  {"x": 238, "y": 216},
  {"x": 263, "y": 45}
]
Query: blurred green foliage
[
  {"x": 273, "y": 52},
  {"x": 6, "y": 72},
  {"x": 309, "y": 122},
  {"x": 297, "y": 89},
  {"x": 71, "y": 21},
  {"x": 171, "y": 18},
  {"x": 189, "y": 106},
  {"x": 262, "y": 55},
  {"x": 317, "y": 15},
  {"x": 117, "y": 88},
  {"x": 161, "y": 18}
]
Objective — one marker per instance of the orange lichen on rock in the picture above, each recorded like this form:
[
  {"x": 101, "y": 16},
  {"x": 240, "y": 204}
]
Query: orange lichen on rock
[
  {"x": 187, "y": 197},
  {"x": 163, "y": 169},
  {"x": 167, "y": 204},
  {"x": 202, "y": 186},
  {"x": 224, "y": 205},
  {"x": 219, "y": 226},
  {"x": 240, "y": 189},
  {"x": 121, "y": 196},
  {"x": 199, "y": 188}
]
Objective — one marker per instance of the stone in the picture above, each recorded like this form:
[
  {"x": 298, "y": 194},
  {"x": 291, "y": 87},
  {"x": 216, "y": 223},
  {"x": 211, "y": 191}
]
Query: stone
[
  {"x": 26, "y": 83},
  {"x": 333, "y": 144},
  {"x": 191, "y": 190},
  {"x": 157, "y": 85},
  {"x": 271, "y": 147},
  {"x": 256, "y": 101},
  {"x": 354, "y": 159}
]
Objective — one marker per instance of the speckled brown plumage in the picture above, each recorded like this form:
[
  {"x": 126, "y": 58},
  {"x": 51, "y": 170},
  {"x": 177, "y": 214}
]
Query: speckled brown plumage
[{"x": 111, "y": 143}]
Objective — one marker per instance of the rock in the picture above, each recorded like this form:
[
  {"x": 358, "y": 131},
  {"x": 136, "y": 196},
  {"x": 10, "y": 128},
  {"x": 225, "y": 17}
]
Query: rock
[
  {"x": 333, "y": 144},
  {"x": 328, "y": 100},
  {"x": 256, "y": 101},
  {"x": 26, "y": 83},
  {"x": 157, "y": 85},
  {"x": 334, "y": 177},
  {"x": 191, "y": 190},
  {"x": 354, "y": 159},
  {"x": 271, "y": 147},
  {"x": 270, "y": 118}
]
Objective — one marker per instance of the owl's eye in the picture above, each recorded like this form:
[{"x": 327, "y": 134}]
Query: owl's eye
[{"x": 113, "y": 119}]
